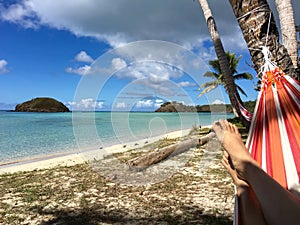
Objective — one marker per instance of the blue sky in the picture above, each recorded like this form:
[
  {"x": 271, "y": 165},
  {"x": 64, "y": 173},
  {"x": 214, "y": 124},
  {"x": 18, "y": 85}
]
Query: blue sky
[{"x": 99, "y": 54}]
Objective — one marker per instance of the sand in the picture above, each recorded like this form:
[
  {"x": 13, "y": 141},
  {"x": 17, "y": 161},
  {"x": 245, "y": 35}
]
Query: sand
[
  {"x": 70, "y": 159},
  {"x": 200, "y": 192}
]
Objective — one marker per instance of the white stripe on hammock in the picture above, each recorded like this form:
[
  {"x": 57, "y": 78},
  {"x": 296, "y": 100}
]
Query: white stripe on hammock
[
  {"x": 288, "y": 158},
  {"x": 292, "y": 82},
  {"x": 263, "y": 149},
  {"x": 249, "y": 142},
  {"x": 291, "y": 93}
]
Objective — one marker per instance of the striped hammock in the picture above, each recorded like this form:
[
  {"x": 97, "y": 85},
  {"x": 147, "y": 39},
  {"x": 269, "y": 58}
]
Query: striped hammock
[
  {"x": 245, "y": 113},
  {"x": 274, "y": 136}
]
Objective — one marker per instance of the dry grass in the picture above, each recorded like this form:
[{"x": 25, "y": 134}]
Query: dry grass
[{"x": 80, "y": 195}]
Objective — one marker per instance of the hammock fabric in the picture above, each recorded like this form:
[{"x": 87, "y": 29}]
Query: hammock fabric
[
  {"x": 245, "y": 113},
  {"x": 274, "y": 135}
]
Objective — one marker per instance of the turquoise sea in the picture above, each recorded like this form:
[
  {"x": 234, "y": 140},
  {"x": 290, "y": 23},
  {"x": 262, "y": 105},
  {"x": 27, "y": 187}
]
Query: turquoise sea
[{"x": 27, "y": 135}]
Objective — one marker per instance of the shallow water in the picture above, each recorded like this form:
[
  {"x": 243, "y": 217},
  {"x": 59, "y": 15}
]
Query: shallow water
[{"x": 25, "y": 135}]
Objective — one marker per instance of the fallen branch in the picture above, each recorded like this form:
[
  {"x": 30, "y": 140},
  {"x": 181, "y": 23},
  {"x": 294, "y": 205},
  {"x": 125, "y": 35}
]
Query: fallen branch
[{"x": 169, "y": 151}]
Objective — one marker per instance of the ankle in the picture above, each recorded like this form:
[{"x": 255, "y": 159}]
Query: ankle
[{"x": 248, "y": 166}]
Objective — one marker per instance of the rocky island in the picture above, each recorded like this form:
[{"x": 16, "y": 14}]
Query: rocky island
[
  {"x": 216, "y": 108},
  {"x": 42, "y": 105},
  {"x": 179, "y": 107}
]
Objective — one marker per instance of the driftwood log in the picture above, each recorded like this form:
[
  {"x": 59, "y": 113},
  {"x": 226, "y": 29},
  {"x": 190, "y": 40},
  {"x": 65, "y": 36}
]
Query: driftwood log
[{"x": 169, "y": 151}]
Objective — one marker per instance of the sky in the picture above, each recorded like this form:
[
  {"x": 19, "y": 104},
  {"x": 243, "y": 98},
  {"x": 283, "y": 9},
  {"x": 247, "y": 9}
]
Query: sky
[{"x": 115, "y": 55}]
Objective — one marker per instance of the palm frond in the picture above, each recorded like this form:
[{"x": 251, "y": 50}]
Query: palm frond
[
  {"x": 245, "y": 76},
  {"x": 208, "y": 84},
  {"x": 207, "y": 89},
  {"x": 216, "y": 73},
  {"x": 215, "y": 65},
  {"x": 241, "y": 90},
  {"x": 211, "y": 74}
]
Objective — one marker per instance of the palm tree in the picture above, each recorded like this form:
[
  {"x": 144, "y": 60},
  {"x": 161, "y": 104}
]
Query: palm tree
[
  {"x": 253, "y": 18},
  {"x": 228, "y": 81},
  {"x": 218, "y": 76},
  {"x": 288, "y": 28}
]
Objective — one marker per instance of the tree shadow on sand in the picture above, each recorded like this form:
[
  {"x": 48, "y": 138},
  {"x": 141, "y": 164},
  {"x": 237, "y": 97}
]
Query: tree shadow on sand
[{"x": 97, "y": 215}]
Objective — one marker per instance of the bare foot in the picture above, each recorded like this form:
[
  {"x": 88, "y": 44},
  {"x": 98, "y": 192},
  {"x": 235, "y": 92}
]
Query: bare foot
[
  {"x": 231, "y": 140},
  {"x": 226, "y": 163},
  {"x": 240, "y": 184}
]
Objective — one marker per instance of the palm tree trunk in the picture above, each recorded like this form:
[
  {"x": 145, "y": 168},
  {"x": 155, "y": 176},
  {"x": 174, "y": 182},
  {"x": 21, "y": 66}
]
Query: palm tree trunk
[
  {"x": 253, "y": 18},
  {"x": 224, "y": 65},
  {"x": 288, "y": 28}
]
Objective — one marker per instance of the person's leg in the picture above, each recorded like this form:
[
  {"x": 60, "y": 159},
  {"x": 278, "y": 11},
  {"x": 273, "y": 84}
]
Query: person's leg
[
  {"x": 231, "y": 140},
  {"x": 278, "y": 205},
  {"x": 249, "y": 209}
]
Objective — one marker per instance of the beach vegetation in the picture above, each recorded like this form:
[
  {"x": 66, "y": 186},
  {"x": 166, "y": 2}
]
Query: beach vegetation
[
  {"x": 78, "y": 194},
  {"x": 225, "y": 108},
  {"x": 198, "y": 130},
  {"x": 166, "y": 141},
  {"x": 41, "y": 105},
  {"x": 218, "y": 76},
  {"x": 175, "y": 107}
]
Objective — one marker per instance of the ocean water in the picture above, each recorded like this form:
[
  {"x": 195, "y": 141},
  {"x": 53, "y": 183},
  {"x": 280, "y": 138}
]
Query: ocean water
[{"x": 27, "y": 135}]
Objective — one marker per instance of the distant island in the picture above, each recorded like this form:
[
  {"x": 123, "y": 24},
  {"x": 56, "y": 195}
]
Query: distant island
[
  {"x": 41, "y": 105},
  {"x": 179, "y": 107}
]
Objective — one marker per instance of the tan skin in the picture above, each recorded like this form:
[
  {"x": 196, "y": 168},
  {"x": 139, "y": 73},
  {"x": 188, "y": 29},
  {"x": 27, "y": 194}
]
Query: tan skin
[
  {"x": 249, "y": 209},
  {"x": 262, "y": 199}
]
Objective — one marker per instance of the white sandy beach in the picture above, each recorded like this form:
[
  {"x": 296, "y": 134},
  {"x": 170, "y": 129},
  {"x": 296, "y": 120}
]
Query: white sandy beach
[
  {"x": 50, "y": 161},
  {"x": 199, "y": 192}
]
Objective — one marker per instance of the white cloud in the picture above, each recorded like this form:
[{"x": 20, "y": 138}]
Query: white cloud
[
  {"x": 144, "y": 103},
  {"x": 149, "y": 103},
  {"x": 118, "y": 63},
  {"x": 154, "y": 72},
  {"x": 125, "y": 21},
  {"x": 217, "y": 101},
  {"x": 3, "y": 64},
  {"x": 186, "y": 84},
  {"x": 158, "y": 103},
  {"x": 83, "y": 57},
  {"x": 20, "y": 13},
  {"x": 84, "y": 70},
  {"x": 151, "y": 75},
  {"x": 86, "y": 104},
  {"x": 121, "y": 105}
]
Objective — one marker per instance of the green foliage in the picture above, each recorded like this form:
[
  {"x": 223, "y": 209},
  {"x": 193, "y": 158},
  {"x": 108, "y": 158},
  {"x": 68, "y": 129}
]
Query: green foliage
[
  {"x": 218, "y": 77},
  {"x": 198, "y": 130},
  {"x": 250, "y": 105},
  {"x": 179, "y": 107},
  {"x": 42, "y": 105},
  {"x": 165, "y": 104},
  {"x": 167, "y": 141},
  {"x": 215, "y": 108},
  {"x": 243, "y": 130},
  {"x": 175, "y": 107},
  {"x": 236, "y": 121}
]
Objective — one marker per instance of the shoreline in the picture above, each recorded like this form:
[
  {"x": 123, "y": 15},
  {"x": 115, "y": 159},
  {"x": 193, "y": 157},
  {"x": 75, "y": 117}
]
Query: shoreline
[
  {"x": 196, "y": 193},
  {"x": 82, "y": 156}
]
